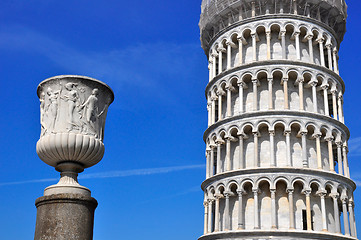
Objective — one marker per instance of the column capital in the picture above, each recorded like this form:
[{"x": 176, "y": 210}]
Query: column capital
[
  {"x": 221, "y": 49},
  {"x": 312, "y": 83},
  {"x": 255, "y": 81},
  {"x": 231, "y": 138},
  {"x": 230, "y": 43},
  {"x": 338, "y": 143},
  {"x": 329, "y": 138},
  {"x": 320, "y": 40},
  {"x": 221, "y": 92},
  {"x": 219, "y": 141},
  {"x": 230, "y": 88},
  {"x": 334, "y": 196},
  {"x": 324, "y": 86},
  {"x": 272, "y": 190},
  {"x": 213, "y": 54},
  {"x": 256, "y": 134},
  {"x": 228, "y": 194},
  {"x": 242, "y": 40},
  {"x": 316, "y": 135},
  {"x": 241, "y": 192},
  {"x": 300, "y": 80},
  {"x": 290, "y": 190},
  {"x": 272, "y": 132},
  {"x": 210, "y": 200},
  {"x": 218, "y": 196},
  {"x": 212, "y": 146},
  {"x": 306, "y": 191},
  {"x": 242, "y": 84},
  {"x": 287, "y": 132},
  {"x": 206, "y": 203},
  {"x": 321, "y": 193},
  {"x": 344, "y": 199},
  {"x": 255, "y": 190},
  {"x": 309, "y": 37},
  {"x": 270, "y": 80},
  {"x": 303, "y": 132}
]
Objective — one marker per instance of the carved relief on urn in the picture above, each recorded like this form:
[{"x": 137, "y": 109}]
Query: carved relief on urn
[{"x": 72, "y": 116}]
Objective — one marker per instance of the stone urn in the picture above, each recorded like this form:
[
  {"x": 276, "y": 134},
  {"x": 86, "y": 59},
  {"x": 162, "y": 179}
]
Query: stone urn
[{"x": 73, "y": 110}]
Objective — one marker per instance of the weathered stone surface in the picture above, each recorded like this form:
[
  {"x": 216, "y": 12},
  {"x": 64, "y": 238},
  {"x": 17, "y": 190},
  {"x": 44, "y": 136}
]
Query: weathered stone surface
[{"x": 65, "y": 217}]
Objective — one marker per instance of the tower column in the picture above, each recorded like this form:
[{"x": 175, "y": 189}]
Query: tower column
[
  {"x": 227, "y": 226},
  {"x": 273, "y": 208},
  {"x": 345, "y": 161},
  {"x": 310, "y": 47},
  {"x": 272, "y": 148},
  {"x": 322, "y": 195},
  {"x": 345, "y": 214},
  {"x": 205, "y": 203},
  {"x": 335, "y": 63},
  {"x": 256, "y": 215},
  {"x": 352, "y": 218},
  {"x": 270, "y": 93},
  {"x": 219, "y": 143},
  {"x": 208, "y": 161},
  {"x": 240, "y": 50},
  {"x": 285, "y": 91},
  {"x": 220, "y": 94},
  {"x": 211, "y": 173},
  {"x": 340, "y": 110},
  {"x": 313, "y": 84},
  {"x": 255, "y": 150},
  {"x": 300, "y": 92},
  {"x": 287, "y": 133},
  {"x": 304, "y": 148},
  {"x": 297, "y": 41},
  {"x": 325, "y": 99},
  {"x": 210, "y": 217},
  {"x": 322, "y": 54},
  {"x": 330, "y": 153},
  {"x": 240, "y": 155},
  {"x": 240, "y": 210},
  {"x": 241, "y": 85},
  {"x": 229, "y": 89},
  {"x": 268, "y": 39},
  {"x": 291, "y": 208},
  {"x": 317, "y": 137},
  {"x": 308, "y": 210},
  {"x": 283, "y": 43},
  {"x": 329, "y": 53},
  {"x": 254, "y": 46},
  {"x": 336, "y": 212},
  {"x": 216, "y": 218},
  {"x": 255, "y": 94},
  {"x": 339, "y": 157}
]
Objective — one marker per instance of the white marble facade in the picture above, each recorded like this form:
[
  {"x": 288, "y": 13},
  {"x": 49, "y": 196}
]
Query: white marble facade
[{"x": 276, "y": 143}]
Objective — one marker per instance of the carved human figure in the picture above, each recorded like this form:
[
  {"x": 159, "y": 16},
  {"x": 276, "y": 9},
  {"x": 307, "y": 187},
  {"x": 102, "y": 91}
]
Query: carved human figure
[
  {"x": 91, "y": 109},
  {"x": 42, "y": 113},
  {"x": 72, "y": 99},
  {"x": 52, "y": 108}
]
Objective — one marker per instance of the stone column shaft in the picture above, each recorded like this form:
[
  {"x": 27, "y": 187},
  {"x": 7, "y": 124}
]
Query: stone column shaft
[
  {"x": 334, "y": 104},
  {"x": 329, "y": 53},
  {"x": 268, "y": 39},
  {"x": 304, "y": 149},
  {"x": 216, "y": 219},
  {"x": 345, "y": 218},
  {"x": 219, "y": 149},
  {"x": 323, "y": 212},
  {"x": 352, "y": 219},
  {"x": 272, "y": 148},
  {"x": 270, "y": 93},
  {"x": 228, "y": 154},
  {"x": 325, "y": 100},
  {"x": 285, "y": 91},
  {"x": 288, "y": 148},
  {"x": 330, "y": 155},
  {"x": 283, "y": 42},
  {"x": 241, "y": 161},
  {"x": 254, "y": 46},
  {"x": 310, "y": 48},
  {"x": 336, "y": 213},
  {"x": 205, "y": 231},
  {"x": 273, "y": 209},
  {"x": 256, "y": 215},
  {"x": 255, "y": 94},
  {"x": 240, "y": 102},
  {"x": 308, "y": 211},
  {"x": 300, "y": 93},
  {"x": 291, "y": 208},
  {"x": 339, "y": 157},
  {"x": 255, "y": 150},
  {"x": 297, "y": 41},
  {"x": 210, "y": 212},
  {"x": 240, "y": 210},
  {"x": 240, "y": 51},
  {"x": 318, "y": 151},
  {"x": 226, "y": 213}
]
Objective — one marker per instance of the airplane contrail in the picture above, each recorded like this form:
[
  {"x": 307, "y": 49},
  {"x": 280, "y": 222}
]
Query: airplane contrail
[{"x": 115, "y": 174}]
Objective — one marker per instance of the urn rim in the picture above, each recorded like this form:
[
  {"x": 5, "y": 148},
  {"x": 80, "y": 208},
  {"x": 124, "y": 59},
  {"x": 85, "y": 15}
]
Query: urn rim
[{"x": 72, "y": 76}]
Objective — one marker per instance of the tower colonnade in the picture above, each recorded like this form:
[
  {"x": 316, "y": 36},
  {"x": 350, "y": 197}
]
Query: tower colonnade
[
  {"x": 276, "y": 143},
  {"x": 276, "y": 87},
  {"x": 271, "y": 39}
]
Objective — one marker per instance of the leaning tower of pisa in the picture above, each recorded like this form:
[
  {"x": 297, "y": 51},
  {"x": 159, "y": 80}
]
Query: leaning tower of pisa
[{"x": 276, "y": 142}]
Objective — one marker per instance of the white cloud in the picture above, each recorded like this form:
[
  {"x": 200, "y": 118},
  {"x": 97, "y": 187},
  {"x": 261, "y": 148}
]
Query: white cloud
[
  {"x": 116, "y": 174},
  {"x": 354, "y": 146}
]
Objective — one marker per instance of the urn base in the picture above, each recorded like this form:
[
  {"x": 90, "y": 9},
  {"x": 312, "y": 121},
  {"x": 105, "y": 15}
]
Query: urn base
[{"x": 65, "y": 217}]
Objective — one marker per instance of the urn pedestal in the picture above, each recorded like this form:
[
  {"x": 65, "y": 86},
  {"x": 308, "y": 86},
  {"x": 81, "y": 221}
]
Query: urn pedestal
[{"x": 72, "y": 116}]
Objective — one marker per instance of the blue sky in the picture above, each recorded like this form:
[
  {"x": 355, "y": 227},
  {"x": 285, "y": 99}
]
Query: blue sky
[{"x": 149, "y": 53}]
